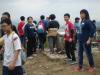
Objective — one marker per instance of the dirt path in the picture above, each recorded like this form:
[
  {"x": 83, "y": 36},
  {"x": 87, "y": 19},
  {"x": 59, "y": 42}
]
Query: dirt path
[{"x": 42, "y": 65}]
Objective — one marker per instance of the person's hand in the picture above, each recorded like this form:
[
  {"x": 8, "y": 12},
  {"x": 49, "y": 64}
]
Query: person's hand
[
  {"x": 12, "y": 66},
  {"x": 88, "y": 42},
  {"x": 70, "y": 40},
  {"x": 26, "y": 41},
  {"x": 1, "y": 50},
  {"x": 64, "y": 39}
]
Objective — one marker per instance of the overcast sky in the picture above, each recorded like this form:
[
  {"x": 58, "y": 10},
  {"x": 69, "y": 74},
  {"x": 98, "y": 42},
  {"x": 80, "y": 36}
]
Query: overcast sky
[{"x": 35, "y": 8}]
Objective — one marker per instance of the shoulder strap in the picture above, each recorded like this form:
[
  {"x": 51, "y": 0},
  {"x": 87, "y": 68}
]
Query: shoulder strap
[{"x": 13, "y": 41}]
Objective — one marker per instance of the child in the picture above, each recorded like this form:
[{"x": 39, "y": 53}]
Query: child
[
  {"x": 12, "y": 48},
  {"x": 69, "y": 39},
  {"x": 85, "y": 38}
]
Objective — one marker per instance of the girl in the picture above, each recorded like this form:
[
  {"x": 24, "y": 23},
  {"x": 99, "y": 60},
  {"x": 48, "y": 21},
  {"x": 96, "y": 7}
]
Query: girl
[{"x": 85, "y": 38}]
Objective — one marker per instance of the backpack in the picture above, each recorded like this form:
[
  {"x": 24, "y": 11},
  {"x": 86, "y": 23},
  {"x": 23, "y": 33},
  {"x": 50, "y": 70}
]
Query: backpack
[{"x": 40, "y": 28}]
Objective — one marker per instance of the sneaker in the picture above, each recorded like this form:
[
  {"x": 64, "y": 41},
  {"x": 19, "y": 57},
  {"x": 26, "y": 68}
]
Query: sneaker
[
  {"x": 34, "y": 55},
  {"x": 67, "y": 59},
  {"x": 30, "y": 57},
  {"x": 78, "y": 69},
  {"x": 73, "y": 62},
  {"x": 91, "y": 69}
]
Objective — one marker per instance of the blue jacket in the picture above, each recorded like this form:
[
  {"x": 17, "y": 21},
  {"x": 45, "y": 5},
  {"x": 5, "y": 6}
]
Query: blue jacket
[
  {"x": 30, "y": 31},
  {"x": 45, "y": 24},
  {"x": 87, "y": 30}
]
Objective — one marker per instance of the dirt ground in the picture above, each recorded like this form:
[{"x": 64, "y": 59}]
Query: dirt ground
[{"x": 42, "y": 65}]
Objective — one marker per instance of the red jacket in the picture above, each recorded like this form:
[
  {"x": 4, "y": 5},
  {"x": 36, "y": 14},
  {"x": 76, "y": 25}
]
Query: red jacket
[
  {"x": 20, "y": 28},
  {"x": 68, "y": 27}
]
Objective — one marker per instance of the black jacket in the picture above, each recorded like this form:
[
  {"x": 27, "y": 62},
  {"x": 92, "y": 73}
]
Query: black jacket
[{"x": 53, "y": 24}]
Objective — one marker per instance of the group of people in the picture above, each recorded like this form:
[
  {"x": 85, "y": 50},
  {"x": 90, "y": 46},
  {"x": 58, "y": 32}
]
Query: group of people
[{"x": 32, "y": 35}]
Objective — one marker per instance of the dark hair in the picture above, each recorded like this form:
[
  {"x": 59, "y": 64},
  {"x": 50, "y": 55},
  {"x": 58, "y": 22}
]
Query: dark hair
[
  {"x": 94, "y": 21},
  {"x": 7, "y": 21},
  {"x": 86, "y": 13},
  {"x": 52, "y": 16},
  {"x": 1, "y": 18},
  {"x": 42, "y": 17},
  {"x": 77, "y": 18},
  {"x": 22, "y": 18},
  {"x": 29, "y": 17},
  {"x": 6, "y": 13},
  {"x": 67, "y": 14},
  {"x": 35, "y": 22}
]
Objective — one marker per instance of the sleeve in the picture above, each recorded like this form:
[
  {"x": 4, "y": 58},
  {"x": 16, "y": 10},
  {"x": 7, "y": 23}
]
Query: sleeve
[
  {"x": 48, "y": 26},
  {"x": 45, "y": 25},
  {"x": 17, "y": 42},
  {"x": 71, "y": 26},
  {"x": 2, "y": 41},
  {"x": 35, "y": 29},
  {"x": 58, "y": 25},
  {"x": 18, "y": 28},
  {"x": 91, "y": 28},
  {"x": 26, "y": 31},
  {"x": 23, "y": 28}
]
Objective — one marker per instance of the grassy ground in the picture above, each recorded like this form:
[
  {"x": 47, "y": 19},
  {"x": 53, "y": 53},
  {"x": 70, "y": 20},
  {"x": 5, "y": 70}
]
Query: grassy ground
[{"x": 42, "y": 65}]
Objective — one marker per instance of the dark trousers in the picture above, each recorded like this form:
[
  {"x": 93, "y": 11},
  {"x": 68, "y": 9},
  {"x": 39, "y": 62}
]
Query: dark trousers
[
  {"x": 87, "y": 48},
  {"x": 42, "y": 40},
  {"x": 70, "y": 52},
  {"x": 23, "y": 42},
  {"x": 17, "y": 71},
  {"x": 1, "y": 55},
  {"x": 31, "y": 46},
  {"x": 52, "y": 42}
]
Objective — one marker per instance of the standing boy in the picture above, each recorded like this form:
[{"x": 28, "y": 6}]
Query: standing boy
[
  {"x": 12, "y": 46},
  {"x": 69, "y": 39}
]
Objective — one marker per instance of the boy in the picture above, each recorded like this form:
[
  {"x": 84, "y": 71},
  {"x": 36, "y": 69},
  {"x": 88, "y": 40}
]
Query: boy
[
  {"x": 12, "y": 46},
  {"x": 42, "y": 26},
  {"x": 69, "y": 39},
  {"x": 20, "y": 30},
  {"x": 53, "y": 27}
]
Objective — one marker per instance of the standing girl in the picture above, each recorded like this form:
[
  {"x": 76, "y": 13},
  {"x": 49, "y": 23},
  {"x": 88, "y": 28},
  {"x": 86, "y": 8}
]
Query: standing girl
[{"x": 85, "y": 39}]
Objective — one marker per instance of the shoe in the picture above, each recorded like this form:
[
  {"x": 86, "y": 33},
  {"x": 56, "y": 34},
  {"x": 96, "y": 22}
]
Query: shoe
[
  {"x": 34, "y": 55},
  {"x": 78, "y": 69},
  {"x": 30, "y": 57},
  {"x": 68, "y": 59},
  {"x": 73, "y": 62},
  {"x": 91, "y": 69}
]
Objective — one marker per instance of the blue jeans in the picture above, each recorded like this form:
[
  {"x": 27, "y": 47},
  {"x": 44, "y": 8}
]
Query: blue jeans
[
  {"x": 17, "y": 71},
  {"x": 87, "y": 48}
]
